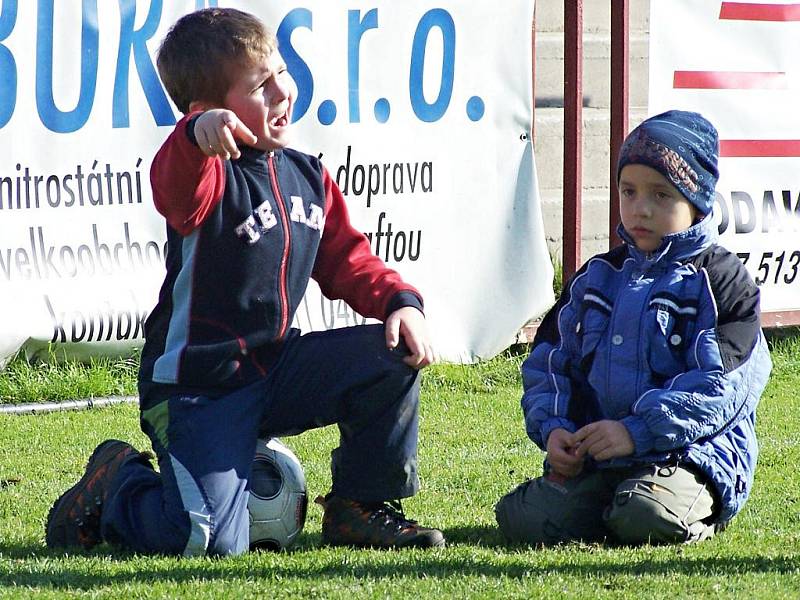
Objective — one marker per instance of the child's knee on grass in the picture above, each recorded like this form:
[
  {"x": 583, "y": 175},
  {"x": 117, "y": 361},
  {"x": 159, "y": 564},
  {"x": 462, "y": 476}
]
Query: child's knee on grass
[
  {"x": 658, "y": 509},
  {"x": 541, "y": 511},
  {"x": 636, "y": 519},
  {"x": 519, "y": 517}
]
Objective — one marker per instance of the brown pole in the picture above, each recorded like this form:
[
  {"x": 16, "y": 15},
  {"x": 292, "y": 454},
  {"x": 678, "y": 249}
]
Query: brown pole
[
  {"x": 573, "y": 136},
  {"x": 619, "y": 105}
]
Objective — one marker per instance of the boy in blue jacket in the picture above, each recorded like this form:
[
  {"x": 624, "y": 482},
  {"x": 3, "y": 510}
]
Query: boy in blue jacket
[
  {"x": 248, "y": 222},
  {"x": 643, "y": 380}
]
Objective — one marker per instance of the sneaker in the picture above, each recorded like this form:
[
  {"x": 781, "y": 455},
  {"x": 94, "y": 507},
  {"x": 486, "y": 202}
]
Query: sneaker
[
  {"x": 376, "y": 525},
  {"x": 74, "y": 519}
]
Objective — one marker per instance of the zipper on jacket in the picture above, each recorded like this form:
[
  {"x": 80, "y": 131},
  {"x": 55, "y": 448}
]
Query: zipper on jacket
[{"x": 283, "y": 290}]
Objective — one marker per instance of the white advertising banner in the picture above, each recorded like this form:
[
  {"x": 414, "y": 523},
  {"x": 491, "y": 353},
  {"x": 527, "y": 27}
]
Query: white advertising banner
[
  {"x": 421, "y": 112},
  {"x": 736, "y": 63}
]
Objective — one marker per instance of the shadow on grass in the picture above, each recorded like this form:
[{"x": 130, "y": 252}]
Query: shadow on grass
[
  {"x": 483, "y": 536},
  {"x": 55, "y": 570}
]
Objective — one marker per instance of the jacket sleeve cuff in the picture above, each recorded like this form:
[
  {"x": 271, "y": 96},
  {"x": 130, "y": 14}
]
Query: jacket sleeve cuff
[
  {"x": 403, "y": 299},
  {"x": 190, "y": 127},
  {"x": 643, "y": 440},
  {"x": 554, "y": 423}
]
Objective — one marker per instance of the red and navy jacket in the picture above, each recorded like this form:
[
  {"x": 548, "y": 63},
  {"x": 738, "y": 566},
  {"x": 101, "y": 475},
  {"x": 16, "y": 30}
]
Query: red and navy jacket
[{"x": 243, "y": 238}]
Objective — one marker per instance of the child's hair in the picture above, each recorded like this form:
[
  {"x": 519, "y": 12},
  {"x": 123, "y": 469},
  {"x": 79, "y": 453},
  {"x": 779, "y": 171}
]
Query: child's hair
[
  {"x": 197, "y": 59},
  {"x": 684, "y": 147}
]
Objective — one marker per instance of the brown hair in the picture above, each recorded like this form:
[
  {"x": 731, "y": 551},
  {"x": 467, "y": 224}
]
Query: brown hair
[{"x": 197, "y": 59}]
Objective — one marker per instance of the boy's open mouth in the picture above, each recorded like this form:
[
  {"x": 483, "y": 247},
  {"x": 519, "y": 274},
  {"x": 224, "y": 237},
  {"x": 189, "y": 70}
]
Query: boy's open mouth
[{"x": 280, "y": 121}]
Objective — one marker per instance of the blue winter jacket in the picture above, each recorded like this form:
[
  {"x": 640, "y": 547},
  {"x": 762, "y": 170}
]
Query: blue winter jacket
[{"x": 669, "y": 343}]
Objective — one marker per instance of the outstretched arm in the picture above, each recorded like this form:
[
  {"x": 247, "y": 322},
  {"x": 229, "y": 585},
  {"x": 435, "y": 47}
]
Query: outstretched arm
[{"x": 187, "y": 175}]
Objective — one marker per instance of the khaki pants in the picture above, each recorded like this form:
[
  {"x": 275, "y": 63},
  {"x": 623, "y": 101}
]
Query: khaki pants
[{"x": 637, "y": 505}]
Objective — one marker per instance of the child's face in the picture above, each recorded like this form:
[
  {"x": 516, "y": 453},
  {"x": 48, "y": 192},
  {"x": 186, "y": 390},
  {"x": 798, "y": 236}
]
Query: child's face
[
  {"x": 262, "y": 96},
  {"x": 651, "y": 207}
]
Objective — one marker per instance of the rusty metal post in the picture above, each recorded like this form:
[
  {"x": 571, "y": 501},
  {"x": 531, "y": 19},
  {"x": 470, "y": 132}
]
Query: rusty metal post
[
  {"x": 573, "y": 136},
  {"x": 620, "y": 100}
]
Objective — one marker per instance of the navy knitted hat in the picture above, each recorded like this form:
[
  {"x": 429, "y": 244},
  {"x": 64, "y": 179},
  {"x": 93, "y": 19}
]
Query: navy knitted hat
[{"x": 683, "y": 147}]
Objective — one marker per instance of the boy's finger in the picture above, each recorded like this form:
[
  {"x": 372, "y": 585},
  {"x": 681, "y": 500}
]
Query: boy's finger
[
  {"x": 582, "y": 433},
  {"x": 604, "y": 453},
  {"x": 215, "y": 143},
  {"x": 204, "y": 143},
  {"x": 392, "y": 333},
  {"x": 430, "y": 356},
  {"x": 569, "y": 469},
  {"x": 563, "y": 457},
  {"x": 590, "y": 444},
  {"x": 242, "y": 131},
  {"x": 413, "y": 361},
  {"x": 417, "y": 353},
  {"x": 227, "y": 144}
]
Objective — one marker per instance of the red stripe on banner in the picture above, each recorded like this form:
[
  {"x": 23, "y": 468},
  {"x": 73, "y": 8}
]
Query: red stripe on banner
[
  {"x": 729, "y": 80},
  {"x": 749, "y": 11},
  {"x": 759, "y": 148}
]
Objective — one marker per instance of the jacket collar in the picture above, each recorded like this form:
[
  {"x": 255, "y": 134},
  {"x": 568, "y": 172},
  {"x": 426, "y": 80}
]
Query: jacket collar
[
  {"x": 252, "y": 155},
  {"x": 676, "y": 247}
]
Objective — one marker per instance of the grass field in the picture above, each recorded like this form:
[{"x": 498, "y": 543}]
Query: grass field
[{"x": 473, "y": 449}]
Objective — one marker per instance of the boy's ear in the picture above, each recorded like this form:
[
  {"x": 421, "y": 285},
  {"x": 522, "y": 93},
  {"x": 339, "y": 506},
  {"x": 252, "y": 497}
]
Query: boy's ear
[{"x": 199, "y": 105}]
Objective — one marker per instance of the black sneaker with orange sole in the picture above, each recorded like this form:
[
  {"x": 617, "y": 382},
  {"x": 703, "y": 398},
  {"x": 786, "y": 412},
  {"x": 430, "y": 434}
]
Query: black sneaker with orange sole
[
  {"x": 74, "y": 519},
  {"x": 374, "y": 525}
]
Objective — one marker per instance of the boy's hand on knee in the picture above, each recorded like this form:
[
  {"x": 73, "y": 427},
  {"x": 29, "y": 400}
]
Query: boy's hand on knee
[
  {"x": 603, "y": 440},
  {"x": 562, "y": 454},
  {"x": 409, "y": 323},
  {"x": 217, "y": 130}
]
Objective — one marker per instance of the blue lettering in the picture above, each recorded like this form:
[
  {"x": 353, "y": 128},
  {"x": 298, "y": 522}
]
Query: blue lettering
[
  {"x": 440, "y": 18},
  {"x": 50, "y": 115},
  {"x": 8, "y": 66},
  {"x": 298, "y": 68},
  {"x": 355, "y": 29},
  {"x": 131, "y": 40},
  {"x": 201, "y": 4}
]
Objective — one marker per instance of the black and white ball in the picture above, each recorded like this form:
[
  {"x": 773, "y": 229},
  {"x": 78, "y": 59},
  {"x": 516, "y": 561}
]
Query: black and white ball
[{"x": 278, "y": 498}]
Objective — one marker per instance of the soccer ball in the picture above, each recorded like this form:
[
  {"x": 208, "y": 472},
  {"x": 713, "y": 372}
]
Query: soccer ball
[{"x": 278, "y": 499}]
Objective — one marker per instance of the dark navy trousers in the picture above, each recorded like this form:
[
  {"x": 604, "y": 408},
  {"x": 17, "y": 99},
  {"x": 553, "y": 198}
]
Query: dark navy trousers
[{"x": 197, "y": 504}]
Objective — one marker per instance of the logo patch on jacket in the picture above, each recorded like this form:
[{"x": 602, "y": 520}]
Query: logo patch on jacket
[{"x": 263, "y": 219}]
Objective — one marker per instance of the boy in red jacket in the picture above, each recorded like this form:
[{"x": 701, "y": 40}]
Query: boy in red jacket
[{"x": 248, "y": 222}]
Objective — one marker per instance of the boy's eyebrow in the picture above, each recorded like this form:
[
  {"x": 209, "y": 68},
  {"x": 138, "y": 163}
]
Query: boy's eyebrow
[{"x": 269, "y": 71}]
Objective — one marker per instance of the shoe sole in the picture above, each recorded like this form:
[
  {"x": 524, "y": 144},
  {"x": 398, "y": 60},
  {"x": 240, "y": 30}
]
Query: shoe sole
[
  {"x": 438, "y": 542},
  {"x": 56, "y": 535},
  {"x": 433, "y": 541}
]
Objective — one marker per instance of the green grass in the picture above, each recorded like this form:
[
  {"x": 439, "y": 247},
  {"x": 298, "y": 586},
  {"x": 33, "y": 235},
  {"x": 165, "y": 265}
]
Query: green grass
[
  {"x": 23, "y": 382},
  {"x": 472, "y": 450}
]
